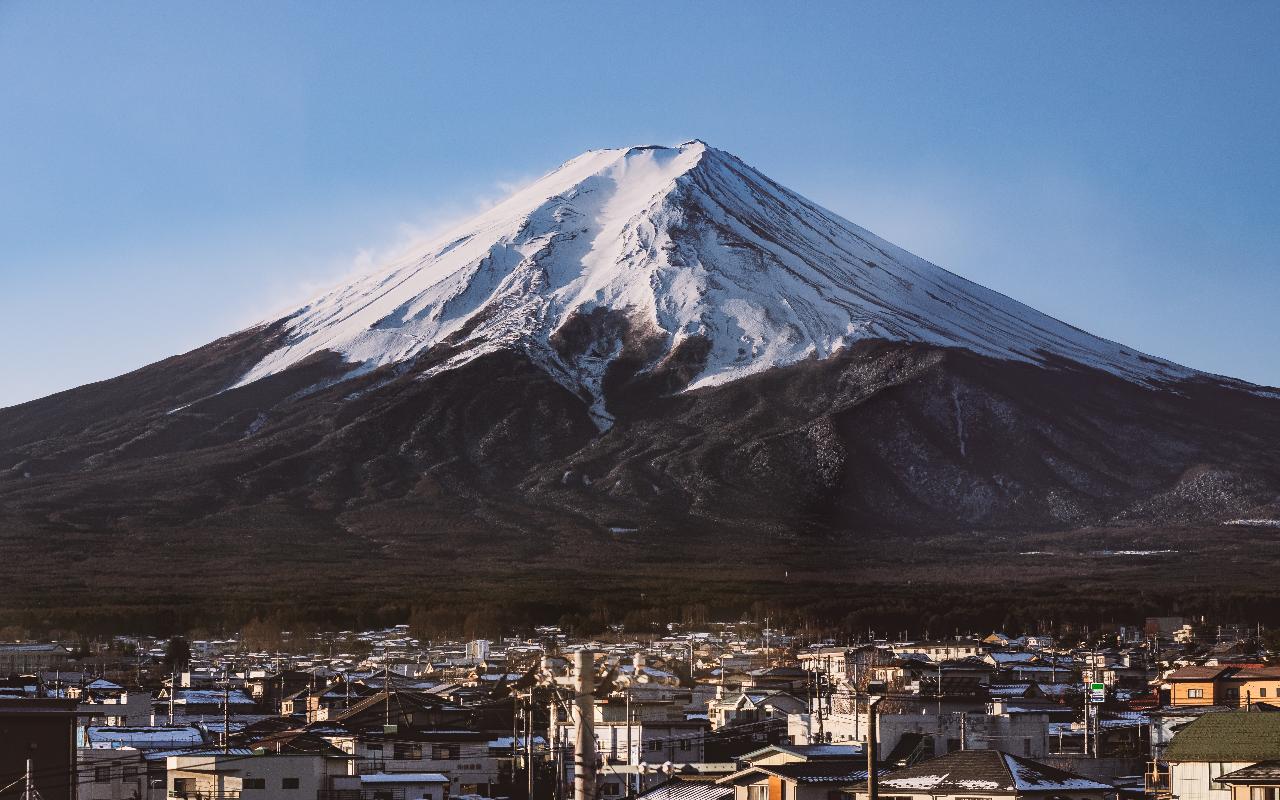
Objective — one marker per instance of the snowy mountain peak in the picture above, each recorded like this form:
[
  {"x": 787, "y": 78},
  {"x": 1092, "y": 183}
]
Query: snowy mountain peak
[{"x": 640, "y": 251}]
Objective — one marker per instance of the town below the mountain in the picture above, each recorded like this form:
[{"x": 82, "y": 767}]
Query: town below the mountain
[{"x": 1173, "y": 709}]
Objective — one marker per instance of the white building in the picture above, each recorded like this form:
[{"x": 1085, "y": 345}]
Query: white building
[{"x": 407, "y": 785}]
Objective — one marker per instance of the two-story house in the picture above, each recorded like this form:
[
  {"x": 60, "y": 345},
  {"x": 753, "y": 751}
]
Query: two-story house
[{"x": 1216, "y": 745}]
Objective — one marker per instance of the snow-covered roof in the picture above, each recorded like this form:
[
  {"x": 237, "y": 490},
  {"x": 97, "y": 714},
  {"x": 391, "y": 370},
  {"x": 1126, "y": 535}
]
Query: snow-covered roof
[{"x": 990, "y": 771}]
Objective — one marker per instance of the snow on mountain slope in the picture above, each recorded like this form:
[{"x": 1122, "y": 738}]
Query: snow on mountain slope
[{"x": 682, "y": 242}]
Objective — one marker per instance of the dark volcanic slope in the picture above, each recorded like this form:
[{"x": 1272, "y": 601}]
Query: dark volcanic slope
[
  {"x": 391, "y": 485},
  {"x": 504, "y": 418}
]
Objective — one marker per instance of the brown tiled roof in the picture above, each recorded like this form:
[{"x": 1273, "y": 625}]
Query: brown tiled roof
[
  {"x": 1262, "y": 772},
  {"x": 1196, "y": 673}
]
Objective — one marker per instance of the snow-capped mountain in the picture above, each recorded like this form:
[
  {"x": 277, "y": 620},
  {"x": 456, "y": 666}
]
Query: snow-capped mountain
[
  {"x": 672, "y": 245},
  {"x": 651, "y": 357}
]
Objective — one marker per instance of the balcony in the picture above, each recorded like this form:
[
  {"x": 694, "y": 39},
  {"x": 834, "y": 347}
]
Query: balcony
[
  {"x": 1156, "y": 780},
  {"x": 195, "y": 794}
]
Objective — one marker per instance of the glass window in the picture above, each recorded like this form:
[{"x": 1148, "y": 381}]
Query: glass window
[
  {"x": 288, "y": 783},
  {"x": 255, "y": 783},
  {"x": 1195, "y": 693},
  {"x": 102, "y": 774},
  {"x": 759, "y": 791}
]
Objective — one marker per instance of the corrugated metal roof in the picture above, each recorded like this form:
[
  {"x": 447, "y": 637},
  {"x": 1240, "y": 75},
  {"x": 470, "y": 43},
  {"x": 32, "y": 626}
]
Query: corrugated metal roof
[{"x": 677, "y": 789}]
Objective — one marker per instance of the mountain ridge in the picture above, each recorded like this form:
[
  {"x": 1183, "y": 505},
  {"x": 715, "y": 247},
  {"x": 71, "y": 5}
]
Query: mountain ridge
[{"x": 639, "y": 251}]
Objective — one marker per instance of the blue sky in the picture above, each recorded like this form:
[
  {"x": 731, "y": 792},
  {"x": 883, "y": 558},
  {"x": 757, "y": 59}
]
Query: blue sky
[{"x": 171, "y": 172}]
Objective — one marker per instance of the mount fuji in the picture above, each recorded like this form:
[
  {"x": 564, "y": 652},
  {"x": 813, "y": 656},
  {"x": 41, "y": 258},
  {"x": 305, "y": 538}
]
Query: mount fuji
[
  {"x": 648, "y": 252},
  {"x": 650, "y": 354}
]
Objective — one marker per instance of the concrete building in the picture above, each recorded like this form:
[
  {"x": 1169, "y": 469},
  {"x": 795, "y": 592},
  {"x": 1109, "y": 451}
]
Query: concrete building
[
  {"x": 44, "y": 731},
  {"x": 26, "y": 659}
]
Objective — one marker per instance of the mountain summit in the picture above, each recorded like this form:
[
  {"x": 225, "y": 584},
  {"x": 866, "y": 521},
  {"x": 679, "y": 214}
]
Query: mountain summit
[
  {"x": 649, "y": 254},
  {"x": 653, "y": 358}
]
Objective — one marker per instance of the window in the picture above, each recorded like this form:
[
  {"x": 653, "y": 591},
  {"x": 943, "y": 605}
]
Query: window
[
  {"x": 1262, "y": 691},
  {"x": 254, "y": 783},
  {"x": 102, "y": 774},
  {"x": 611, "y": 790},
  {"x": 182, "y": 785},
  {"x": 685, "y": 744},
  {"x": 129, "y": 772},
  {"x": 408, "y": 751},
  {"x": 759, "y": 791},
  {"x": 1195, "y": 694},
  {"x": 1264, "y": 793},
  {"x": 655, "y": 745},
  {"x": 444, "y": 752},
  {"x": 288, "y": 783},
  {"x": 374, "y": 747}
]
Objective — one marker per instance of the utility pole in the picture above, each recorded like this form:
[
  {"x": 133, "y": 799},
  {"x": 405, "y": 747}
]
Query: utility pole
[
  {"x": 822, "y": 736},
  {"x": 26, "y": 786},
  {"x": 553, "y": 736},
  {"x": 873, "y": 790},
  {"x": 528, "y": 742},
  {"x": 630, "y": 759},
  {"x": 173, "y": 689},
  {"x": 226, "y": 712},
  {"x": 584, "y": 749},
  {"x": 939, "y": 689},
  {"x": 1086, "y": 726}
]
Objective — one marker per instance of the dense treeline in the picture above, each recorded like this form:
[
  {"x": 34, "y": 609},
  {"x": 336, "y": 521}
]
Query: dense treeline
[{"x": 819, "y": 611}]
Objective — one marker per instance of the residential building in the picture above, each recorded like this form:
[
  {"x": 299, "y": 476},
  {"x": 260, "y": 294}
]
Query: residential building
[
  {"x": 947, "y": 650},
  {"x": 290, "y": 766},
  {"x": 781, "y": 772},
  {"x": 404, "y": 786},
  {"x": 747, "y": 706},
  {"x": 44, "y": 731},
  {"x": 112, "y": 704},
  {"x": 115, "y": 775},
  {"x": 1213, "y": 746},
  {"x": 27, "y": 659},
  {"x": 1258, "y": 782}
]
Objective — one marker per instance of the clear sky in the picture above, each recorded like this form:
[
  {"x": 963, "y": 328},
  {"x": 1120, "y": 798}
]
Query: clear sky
[{"x": 171, "y": 172}]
